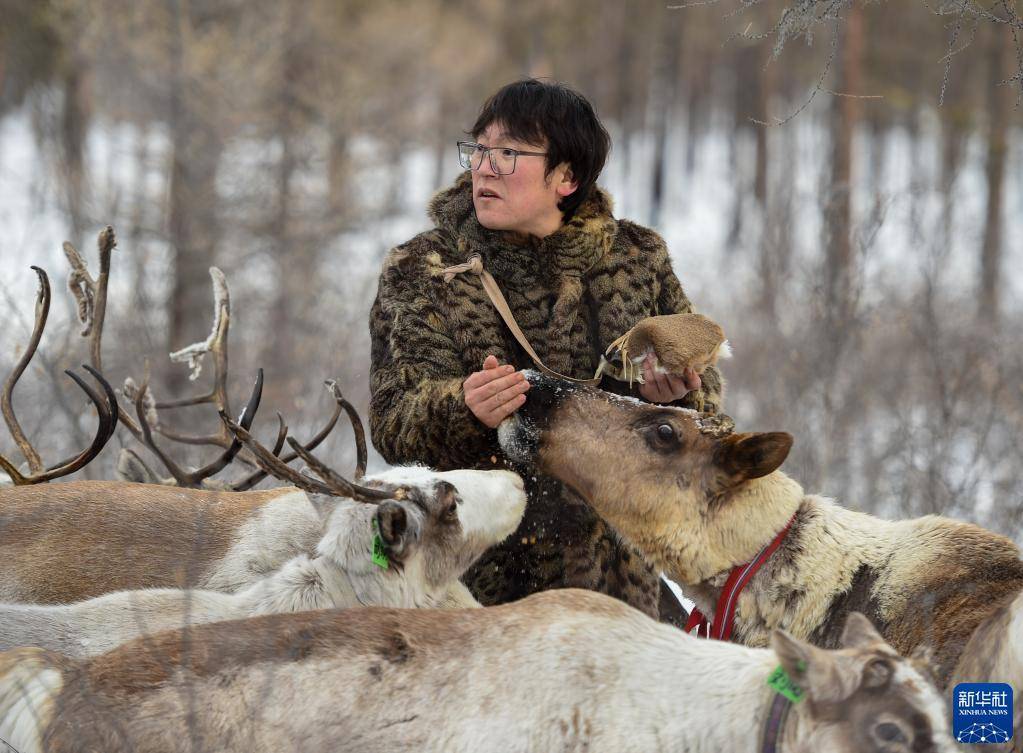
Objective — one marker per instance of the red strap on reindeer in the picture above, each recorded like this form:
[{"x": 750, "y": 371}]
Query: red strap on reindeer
[{"x": 724, "y": 613}]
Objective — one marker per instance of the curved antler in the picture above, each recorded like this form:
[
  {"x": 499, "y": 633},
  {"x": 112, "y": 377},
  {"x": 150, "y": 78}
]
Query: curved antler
[
  {"x": 250, "y": 481},
  {"x": 195, "y": 478},
  {"x": 35, "y": 463},
  {"x": 270, "y": 463},
  {"x": 106, "y": 407},
  {"x": 333, "y": 483},
  {"x": 342, "y": 486},
  {"x": 357, "y": 428}
]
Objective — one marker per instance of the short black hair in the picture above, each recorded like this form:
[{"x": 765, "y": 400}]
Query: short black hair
[{"x": 550, "y": 112}]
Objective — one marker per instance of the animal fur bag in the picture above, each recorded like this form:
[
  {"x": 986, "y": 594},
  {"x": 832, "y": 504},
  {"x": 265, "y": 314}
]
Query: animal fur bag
[{"x": 676, "y": 341}]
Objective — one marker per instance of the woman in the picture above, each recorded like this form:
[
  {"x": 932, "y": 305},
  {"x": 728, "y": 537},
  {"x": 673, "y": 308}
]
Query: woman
[{"x": 445, "y": 367}]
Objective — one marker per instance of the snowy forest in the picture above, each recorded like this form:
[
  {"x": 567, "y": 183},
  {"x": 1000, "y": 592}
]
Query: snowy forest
[{"x": 840, "y": 185}]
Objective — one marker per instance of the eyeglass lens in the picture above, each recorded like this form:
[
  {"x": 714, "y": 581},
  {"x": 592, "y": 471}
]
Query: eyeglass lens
[{"x": 501, "y": 160}]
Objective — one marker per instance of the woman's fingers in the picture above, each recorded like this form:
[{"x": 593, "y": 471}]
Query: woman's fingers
[
  {"x": 487, "y": 390},
  {"x": 692, "y": 380},
  {"x": 505, "y": 396},
  {"x": 662, "y": 387},
  {"x": 496, "y": 392},
  {"x": 479, "y": 378},
  {"x": 506, "y": 410}
]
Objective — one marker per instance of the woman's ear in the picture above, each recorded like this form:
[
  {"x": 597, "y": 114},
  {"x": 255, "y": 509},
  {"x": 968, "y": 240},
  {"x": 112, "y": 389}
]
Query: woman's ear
[{"x": 567, "y": 183}]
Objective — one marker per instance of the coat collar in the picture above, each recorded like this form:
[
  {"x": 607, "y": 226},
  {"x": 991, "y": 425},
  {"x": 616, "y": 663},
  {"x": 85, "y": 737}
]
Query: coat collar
[{"x": 571, "y": 250}]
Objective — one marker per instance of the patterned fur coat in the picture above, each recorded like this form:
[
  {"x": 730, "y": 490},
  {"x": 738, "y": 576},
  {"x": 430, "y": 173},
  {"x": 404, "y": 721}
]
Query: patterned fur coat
[{"x": 572, "y": 293}]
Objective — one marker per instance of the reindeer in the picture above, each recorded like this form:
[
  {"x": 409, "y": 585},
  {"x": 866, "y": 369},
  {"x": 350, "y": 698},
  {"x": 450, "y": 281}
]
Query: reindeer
[
  {"x": 994, "y": 653},
  {"x": 78, "y": 540},
  {"x": 700, "y": 500},
  {"x": 440, "y": 524},
  {"x": 81, "y": 540},
  {"x": 561, "y": 670}
]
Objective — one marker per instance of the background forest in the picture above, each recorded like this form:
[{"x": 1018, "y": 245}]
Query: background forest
[{"x": 841, "y": 187}]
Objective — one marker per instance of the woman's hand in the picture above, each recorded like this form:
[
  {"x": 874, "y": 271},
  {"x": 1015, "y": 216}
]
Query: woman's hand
[
  {"x": 665, "y": 388},
  {"x": 496, "y": 392}
]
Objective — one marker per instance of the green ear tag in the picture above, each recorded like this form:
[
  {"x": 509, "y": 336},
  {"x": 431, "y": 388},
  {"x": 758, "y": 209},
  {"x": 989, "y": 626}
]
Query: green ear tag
[
  {"x": 379, "y": 556},
  {"x": 781, "y": 683}
]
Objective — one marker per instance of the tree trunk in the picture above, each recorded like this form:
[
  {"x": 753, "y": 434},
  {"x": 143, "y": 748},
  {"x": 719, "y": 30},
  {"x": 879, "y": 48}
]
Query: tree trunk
[
  {"x": 74, "y": 123},
  {"x": 845, "y": 112},
  {"x": 770, "y": 266},
  {"x": 997, "y": 152},
  {"x": 295, "y": 262},
  {"x": 666, "y": 98},
  {"x": 338, "y": 170},
  {"x": 192, "y": 216}
]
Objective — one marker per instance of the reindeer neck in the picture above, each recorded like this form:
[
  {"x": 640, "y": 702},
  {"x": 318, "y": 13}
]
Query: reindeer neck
[
  {"x": 340, "y": 574},
  {"x": 725, "y": 683},
  {"x": 344, "y": 552},
  {"x": 738, "y": 527},
  {"x": 817, "y": 562}
]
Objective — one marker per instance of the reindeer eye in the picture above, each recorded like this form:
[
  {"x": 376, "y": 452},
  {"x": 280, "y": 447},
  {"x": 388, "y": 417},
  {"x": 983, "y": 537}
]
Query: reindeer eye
[
  {"x": 889, "y": 733},
  {"x": 661, "y": 437}
]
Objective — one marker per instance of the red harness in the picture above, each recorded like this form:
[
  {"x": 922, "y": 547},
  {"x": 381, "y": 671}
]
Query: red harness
[{"x": 724, "y": 613}]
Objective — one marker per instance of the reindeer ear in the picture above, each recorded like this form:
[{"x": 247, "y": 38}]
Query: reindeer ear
[
  {"x": 924, "y": 661},
  {"x": 393, "y": 525},
  {"x": 859, "y": 632},
  {"x": 747, "y": 456},
  {"x": 825, "y": 676}
]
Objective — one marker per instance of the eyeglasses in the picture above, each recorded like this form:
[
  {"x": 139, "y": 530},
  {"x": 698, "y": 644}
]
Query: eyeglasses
[{"x": 502, "y": 158}]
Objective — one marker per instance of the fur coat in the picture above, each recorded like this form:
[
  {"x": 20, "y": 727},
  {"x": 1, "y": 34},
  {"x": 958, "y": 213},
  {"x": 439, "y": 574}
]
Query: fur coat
[{"x": 572, "y": 293}]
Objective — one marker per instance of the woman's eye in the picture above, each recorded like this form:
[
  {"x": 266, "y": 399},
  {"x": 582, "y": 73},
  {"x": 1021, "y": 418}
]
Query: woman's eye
[
  {"x": 666, "y": 432},
  {"x": 507, "y": 152}
]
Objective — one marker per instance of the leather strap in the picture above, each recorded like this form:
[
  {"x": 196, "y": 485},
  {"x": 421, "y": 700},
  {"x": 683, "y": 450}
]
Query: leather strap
[
  {"x": 770, "y": 739},
  {"x": 474, "y": 264},
  {"x": 724, "y": 613}
]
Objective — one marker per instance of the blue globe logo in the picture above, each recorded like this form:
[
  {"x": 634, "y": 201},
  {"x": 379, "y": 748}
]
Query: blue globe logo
[{"x": 984, "y": 732}]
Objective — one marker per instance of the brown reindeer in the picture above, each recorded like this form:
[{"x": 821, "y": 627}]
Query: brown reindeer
[{"x": 700, "y": 499}]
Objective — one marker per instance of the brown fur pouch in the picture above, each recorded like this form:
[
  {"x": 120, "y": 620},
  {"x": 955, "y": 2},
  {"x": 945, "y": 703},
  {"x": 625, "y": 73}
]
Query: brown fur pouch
[{"x": 677, "y": 341}]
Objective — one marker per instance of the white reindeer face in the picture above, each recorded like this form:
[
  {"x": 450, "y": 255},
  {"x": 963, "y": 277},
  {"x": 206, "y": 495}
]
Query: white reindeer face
[{"x": 450, "y": 518}]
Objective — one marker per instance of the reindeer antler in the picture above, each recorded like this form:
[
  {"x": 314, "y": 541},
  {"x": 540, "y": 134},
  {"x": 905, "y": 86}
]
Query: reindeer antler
[
  {"x": 216, "y": 345},
  {"x": 332, "y": 483},
  {"x": 106, "y": 410},
  {"x": 91, "y": 295},
  {"x": 357, "y": 428},
  {"x": 196, "y": 477},
  {"x": 339, "y": 404}
]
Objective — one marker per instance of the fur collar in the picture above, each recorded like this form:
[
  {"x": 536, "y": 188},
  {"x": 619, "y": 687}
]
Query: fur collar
[{"x": 571, "y": 250}]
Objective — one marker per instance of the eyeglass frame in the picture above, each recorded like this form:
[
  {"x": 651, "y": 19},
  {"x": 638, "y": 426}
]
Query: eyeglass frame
[{"x": 488, "y": 152}]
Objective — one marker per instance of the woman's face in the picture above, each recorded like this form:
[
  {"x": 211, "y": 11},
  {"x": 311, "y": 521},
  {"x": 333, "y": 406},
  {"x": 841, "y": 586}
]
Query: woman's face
[{"x": 525, "y": 201}]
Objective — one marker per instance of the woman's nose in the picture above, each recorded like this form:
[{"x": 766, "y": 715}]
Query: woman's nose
[{"x": 486, "y": 166}]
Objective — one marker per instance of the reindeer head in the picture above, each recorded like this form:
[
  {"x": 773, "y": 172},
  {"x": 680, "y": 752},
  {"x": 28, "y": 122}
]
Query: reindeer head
[
  {"x": 863, "y": 697},
  {"x": 693, "y": 495},
  {"x": 441, "y": 524}
]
